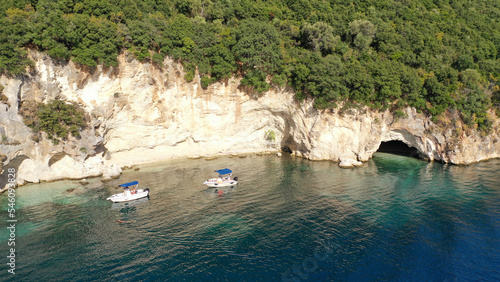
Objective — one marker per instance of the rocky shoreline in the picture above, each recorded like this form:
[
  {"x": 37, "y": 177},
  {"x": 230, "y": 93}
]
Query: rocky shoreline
[{"x": 141, "y": 113}]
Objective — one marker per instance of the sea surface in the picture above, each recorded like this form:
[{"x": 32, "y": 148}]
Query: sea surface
[{"x": 394, "y": 219}]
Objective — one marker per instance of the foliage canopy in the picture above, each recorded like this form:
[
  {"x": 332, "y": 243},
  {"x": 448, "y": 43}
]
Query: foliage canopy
[{"x": 431, "y": 55}]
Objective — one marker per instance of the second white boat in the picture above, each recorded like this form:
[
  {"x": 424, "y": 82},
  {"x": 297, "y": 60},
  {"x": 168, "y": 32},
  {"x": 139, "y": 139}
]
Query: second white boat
[
  {"x": 130, "y": 193},
  {"x": 225, "y": 179}
]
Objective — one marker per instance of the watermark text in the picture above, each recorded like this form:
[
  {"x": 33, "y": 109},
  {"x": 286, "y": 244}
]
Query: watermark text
[
  {"x": 11, "y": 220},
  {"x": 301, "y": 271}
]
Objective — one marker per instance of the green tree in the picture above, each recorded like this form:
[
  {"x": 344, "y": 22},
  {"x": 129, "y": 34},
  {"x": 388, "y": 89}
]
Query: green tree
[
  {"x": 436, "y": 94},
  {"x": 324, "y": 81},
  {"x": 470, "y": 77},
  {"x": 319, "y": 37},
  {"x": 256, "y": 79},
  {"x": 15, "y": 33},
  {"x": 464, "y": 62},
  {"x": 222, "y": 61},
  {"x": 362, "y": 32},
  {"x": 257, "y": 46}
]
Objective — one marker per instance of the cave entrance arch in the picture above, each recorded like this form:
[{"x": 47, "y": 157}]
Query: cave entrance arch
[{"x": 397, "y": 147}]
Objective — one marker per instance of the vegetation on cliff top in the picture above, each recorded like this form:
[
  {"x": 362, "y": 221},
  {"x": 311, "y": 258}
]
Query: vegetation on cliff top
[{"x": 433, "y": 55}]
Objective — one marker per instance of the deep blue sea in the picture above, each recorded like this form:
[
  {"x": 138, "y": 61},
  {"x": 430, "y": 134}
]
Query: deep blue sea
[{"x": 393, "y": 219}]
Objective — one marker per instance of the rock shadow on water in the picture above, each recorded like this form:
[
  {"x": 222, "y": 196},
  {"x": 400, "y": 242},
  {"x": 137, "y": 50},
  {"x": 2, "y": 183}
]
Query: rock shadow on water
[{"x": 227, "y": 226}]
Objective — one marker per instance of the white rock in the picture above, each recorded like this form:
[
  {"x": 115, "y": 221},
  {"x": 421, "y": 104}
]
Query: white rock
[
  {"x": 65, "y": 168},
  {"x": 349, "y": 163},
  {"x": 111, "y": 170},
  {"x": 27, "y": 172}
]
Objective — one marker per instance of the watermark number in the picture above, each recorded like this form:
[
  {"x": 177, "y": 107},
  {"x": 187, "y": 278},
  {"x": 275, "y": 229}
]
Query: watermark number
[{"x": 11, "y": 220}]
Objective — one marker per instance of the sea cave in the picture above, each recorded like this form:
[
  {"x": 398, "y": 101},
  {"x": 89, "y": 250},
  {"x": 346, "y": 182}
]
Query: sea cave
[{"x": 398, "y": 148}]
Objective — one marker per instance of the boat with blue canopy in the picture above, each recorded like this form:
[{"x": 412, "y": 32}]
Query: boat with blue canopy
[
  {"x": 224, "y": 179},
  {"x": 130, "y": 193}
]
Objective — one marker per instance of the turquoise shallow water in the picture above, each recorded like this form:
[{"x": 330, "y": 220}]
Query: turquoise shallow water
[{"x": 395, "y": 218}]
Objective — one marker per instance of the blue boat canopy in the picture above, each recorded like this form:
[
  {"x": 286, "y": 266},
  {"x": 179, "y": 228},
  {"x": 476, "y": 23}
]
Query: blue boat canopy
[
  {"x": 129, "y": 184},
  {"x": 224, "y": 171}
]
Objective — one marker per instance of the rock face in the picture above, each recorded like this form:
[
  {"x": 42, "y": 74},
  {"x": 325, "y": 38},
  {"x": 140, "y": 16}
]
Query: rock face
[{"x": 142, "y": 113}]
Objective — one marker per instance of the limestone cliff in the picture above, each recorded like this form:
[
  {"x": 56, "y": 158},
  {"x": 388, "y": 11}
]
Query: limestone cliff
[{"x": 141, "y": 113}]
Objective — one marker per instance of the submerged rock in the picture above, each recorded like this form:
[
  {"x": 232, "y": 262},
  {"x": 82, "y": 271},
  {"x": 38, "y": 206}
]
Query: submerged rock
[{"x": 349, "y": 163}]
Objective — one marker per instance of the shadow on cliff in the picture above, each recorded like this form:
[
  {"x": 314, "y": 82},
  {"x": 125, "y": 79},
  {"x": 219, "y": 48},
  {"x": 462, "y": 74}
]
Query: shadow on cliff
[{"x": 14, "y": 163}]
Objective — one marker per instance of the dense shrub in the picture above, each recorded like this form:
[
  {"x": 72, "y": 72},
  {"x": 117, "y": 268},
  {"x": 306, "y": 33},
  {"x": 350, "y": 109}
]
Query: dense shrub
[{"x": 57, "y": 118}]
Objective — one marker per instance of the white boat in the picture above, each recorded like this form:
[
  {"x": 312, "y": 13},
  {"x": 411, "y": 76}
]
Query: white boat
[
  {"x": 225, "y": 179},
  {"x": 125, "y": 206},
  {"x": 130, "y": 193}
]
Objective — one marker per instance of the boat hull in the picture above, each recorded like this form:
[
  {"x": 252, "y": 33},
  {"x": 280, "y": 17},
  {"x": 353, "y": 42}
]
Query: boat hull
[
  {"x": 226, "y": 183},
  {"x": 122, "y": 197}
]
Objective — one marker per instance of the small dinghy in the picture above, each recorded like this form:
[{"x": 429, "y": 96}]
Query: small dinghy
[
  {"x": 130, "y": 193},
  {"x": 225, "y": 179}
]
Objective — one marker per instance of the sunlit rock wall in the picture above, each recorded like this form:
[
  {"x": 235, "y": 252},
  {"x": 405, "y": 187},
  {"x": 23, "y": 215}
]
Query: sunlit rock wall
[{"x": 140, "y": 113}]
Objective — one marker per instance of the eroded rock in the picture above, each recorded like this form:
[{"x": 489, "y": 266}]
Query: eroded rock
[{"x": 140, "y": 113}]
